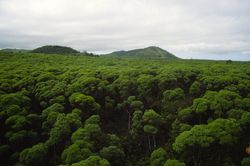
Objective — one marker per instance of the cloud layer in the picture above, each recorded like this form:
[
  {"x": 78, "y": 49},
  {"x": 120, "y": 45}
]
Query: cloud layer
[{"x": 198, "y": 28}]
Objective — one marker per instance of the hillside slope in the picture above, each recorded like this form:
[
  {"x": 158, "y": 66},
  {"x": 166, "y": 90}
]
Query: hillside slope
[{"x": 149, "y": 53}]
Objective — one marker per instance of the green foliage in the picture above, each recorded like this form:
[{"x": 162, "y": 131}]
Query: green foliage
[
  {"x": 113, "y": 140},
  {"x": 150, "y": 129},
  {"x": 84, "y": 102},
  {"x": 235, "y": 113},
  {"x": 137, "y": 124},
  {"x": 65, "y": 110},
  {"x": 151, "y": 120},
  {"x": 158, "y": 157},
  {"x": 195, "y": 88},
  {"x": 245, "y": 119},
  {"x": 174, "y": 163},
  {"x": 13, "y": 102},
  {"x": 74, "y": 154},
  {"x": 88, "y": 135},
  {"x": 151, "y": 117},
  {"x": 74, "y": 120},
  {"x": 60, "y": 131},
  {"x": 113, "y": 154},
  {"x": 200, "y": 105},
  {"x": 34, "y": 155},
  {"x": 221, "y": 131},
  {"x": 245, "y": 161},
  {"x": 172, "y": 95},
  {"x": 16, "y": 122},
  {"x": 93, "y": 161},
  {"x": 53, "y": 108},
  {"x": 94, "y": 119},
  {"x": 79, "y": 134}
]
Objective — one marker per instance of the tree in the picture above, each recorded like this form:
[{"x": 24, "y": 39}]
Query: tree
[
  {"x": 21, "y": 139},
  {"x": 18, "y": 99},
  {"x": 172, "y": 100},
  {"x": 221, "y": 132},
  {"x": 125, "y": 85},
  {"x": 91, "y": 132},
  {"x": 114, "y": 140},
  {"x": 158, "y": 157},
  {"x": 113, "y": 154},
  {"x": 201, "y": 107},
  {"x": 94, "y": 119},
  {"x": 49, "y": 122},
  {"x": 48, "y": 90},
  {"x": 245, "y": 119},
  {"x": 17, "y": 122},
  {"x": 74, "y": 154},
  {"x": 195, "y": 88},
  {"x": 173, "y": 95},
  {"x": 129, "y": 106},
  {"x": 79, "y": 134},
  {"x": 74, "y": 120},
  {"x": 152, "y": 121},
  {"x": 147, "y": 87},
  {"x": 221, "y": 102},
  {"x": 60, "y": 132},
  {"x": 35, "y": 155},
  {"x": 53, "y": 108},
  {"x": 89, "y": 85},
  {"x": 137, "y": 124},
  {"x": 84, "y": 102}
]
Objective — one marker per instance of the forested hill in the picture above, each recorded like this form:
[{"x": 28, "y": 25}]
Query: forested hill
[
  {"x": 149, "y": 53},
  {"x": 55, "y": 50}
]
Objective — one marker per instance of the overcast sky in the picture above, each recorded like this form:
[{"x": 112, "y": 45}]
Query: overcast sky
[{"x": 210, "y": 29}]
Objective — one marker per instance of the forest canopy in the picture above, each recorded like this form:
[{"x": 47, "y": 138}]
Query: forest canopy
[{"x": 107, "y": 111}]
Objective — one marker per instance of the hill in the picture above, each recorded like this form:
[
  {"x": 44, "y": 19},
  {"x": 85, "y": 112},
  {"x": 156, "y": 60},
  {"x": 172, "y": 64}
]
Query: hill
[
  {"x": 149, "y": 53},
  {"x": 55, "y": 50}
]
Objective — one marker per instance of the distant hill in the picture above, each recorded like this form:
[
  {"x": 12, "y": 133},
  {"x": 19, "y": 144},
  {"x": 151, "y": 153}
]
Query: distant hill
[
  {"x": 15, "y": 50},
  {"x": 149, "y": 53},
  {"x": 55, "y": 50}
]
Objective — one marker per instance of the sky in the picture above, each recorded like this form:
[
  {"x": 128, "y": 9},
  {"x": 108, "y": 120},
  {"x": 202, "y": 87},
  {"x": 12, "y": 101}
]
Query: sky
[{"x": 198, "y": 29}]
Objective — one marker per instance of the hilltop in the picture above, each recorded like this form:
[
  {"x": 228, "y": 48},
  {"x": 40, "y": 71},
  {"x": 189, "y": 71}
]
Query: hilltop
[
  {"x": 55, "y": 50},
  {"x": 151, "y": 52}
]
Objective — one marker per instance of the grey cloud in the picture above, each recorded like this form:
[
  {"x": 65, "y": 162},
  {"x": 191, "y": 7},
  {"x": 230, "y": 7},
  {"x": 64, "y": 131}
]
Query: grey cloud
[{"x": 200, "y": 26}]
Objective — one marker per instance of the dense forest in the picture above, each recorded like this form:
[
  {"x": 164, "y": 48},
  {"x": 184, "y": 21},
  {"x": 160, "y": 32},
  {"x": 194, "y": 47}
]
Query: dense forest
[{"x": 106, "y": 111}]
